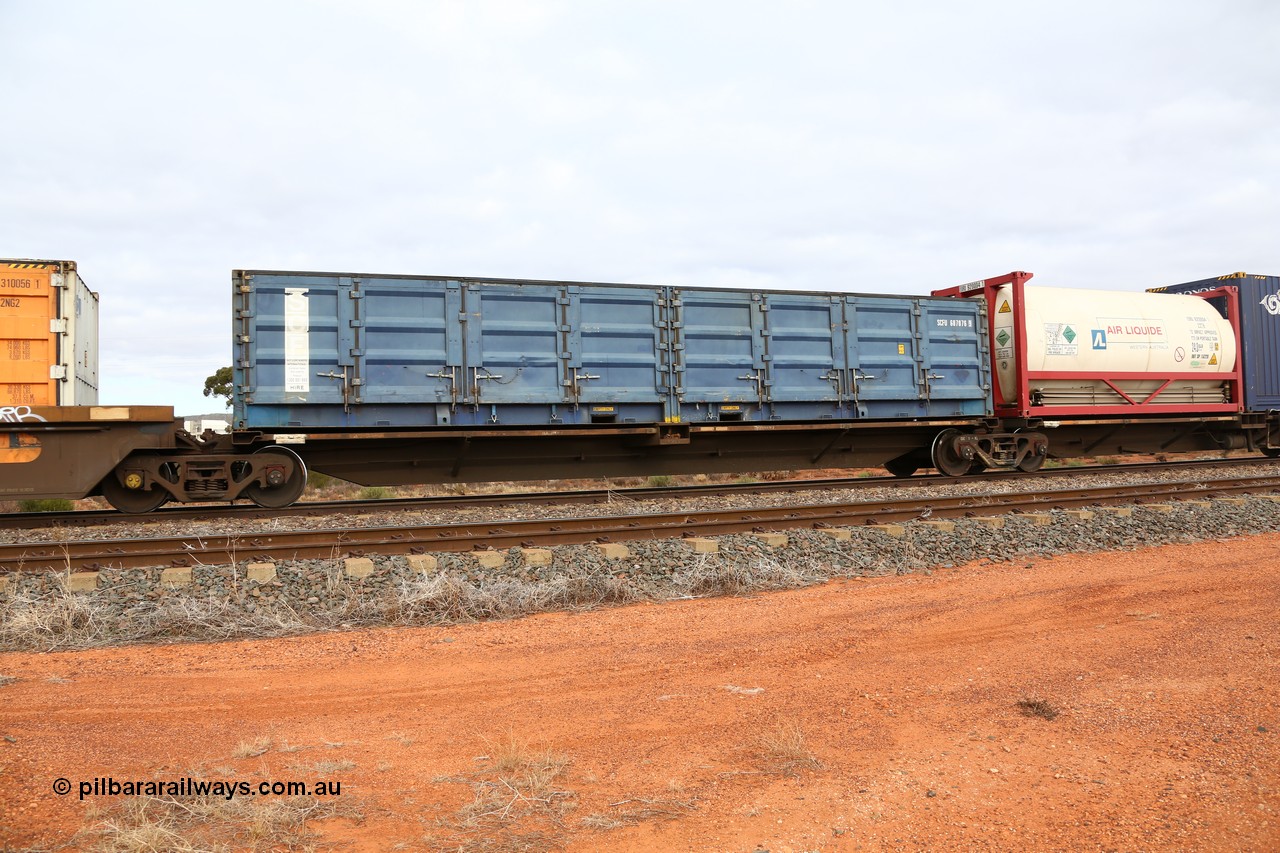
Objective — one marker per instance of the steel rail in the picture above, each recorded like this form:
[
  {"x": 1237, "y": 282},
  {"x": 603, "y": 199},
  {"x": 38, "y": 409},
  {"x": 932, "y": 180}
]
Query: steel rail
[
  {"x": 337, "y": 543},
  {"x": 87, "y": 518}
]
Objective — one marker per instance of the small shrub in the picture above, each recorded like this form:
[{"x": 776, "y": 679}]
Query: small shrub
[
  {"x": 251, "y": 749},
  {"x": 1034, "y": 707},
  {"x": 46, "y": 505},
  {"x": 783, "y": 749},
  {"x": 375, "y": 493},
  {"x": 660, "y": 481}
]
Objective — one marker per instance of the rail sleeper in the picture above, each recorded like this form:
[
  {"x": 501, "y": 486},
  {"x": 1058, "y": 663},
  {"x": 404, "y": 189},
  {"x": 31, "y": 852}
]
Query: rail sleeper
[
  {"x": 176, "y": 576},
  {"x": 261, "y": 572},
  {"x": 82, "y": 581},
  {"x": 422, "y": 563},
  {"x": 358, "y": 567}
]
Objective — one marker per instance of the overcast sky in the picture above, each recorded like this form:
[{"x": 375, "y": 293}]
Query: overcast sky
[{"x": 875, "y": 147}]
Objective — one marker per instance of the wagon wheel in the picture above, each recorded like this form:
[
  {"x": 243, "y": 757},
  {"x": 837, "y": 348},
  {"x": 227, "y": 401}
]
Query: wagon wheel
[
  {"x": 1032, "y": 462},
  {"x": 287, "y": 491},
  {"x": 132, "y": 501},
  {"x": 1273, "y": 452},
  {"x": 946, "y": 458}
]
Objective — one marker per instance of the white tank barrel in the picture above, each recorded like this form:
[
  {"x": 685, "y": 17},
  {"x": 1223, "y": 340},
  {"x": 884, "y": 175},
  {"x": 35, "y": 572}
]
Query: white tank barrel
[{"x": 1104, "y": 331}]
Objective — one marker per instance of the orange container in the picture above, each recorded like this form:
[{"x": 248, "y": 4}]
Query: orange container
[{"x": 48, "y": 335}]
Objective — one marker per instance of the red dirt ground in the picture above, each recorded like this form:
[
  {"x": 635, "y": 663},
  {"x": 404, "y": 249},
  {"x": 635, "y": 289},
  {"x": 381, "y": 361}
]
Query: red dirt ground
[{"x": 1162, "y": 662}]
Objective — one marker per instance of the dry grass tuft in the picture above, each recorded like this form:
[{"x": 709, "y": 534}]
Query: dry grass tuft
[
  {"x": 518, "y": 802},
  {"x": 59, "y": 619},
  {"x": 251, "y": 749},
  {"x": 1032, "y": 706},
  {"x": 783, "y": 749},
  {"x": 639, "y": 810},
  {"x": 62, "y": 620},
  {"x": 324, "y": 769},
  {"x": 191, "y": 824}
]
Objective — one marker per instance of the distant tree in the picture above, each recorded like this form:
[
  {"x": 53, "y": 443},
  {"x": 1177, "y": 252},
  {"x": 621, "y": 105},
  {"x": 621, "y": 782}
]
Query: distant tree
[{"x": 219, "y": 385}]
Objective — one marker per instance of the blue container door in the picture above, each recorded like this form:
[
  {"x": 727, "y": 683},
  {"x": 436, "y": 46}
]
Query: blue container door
[
  {"x": 614, "y": 335},
  {"x": 719, "y": 347},
  {"x": 804, "y": 353},
  {"x": 412, "y": 348},
  {"x": 881, "y": 351},
  {"x": 512, "y": 336},
  {"x": 953, "y": 356},
  {"x": 297, "y": 327}
]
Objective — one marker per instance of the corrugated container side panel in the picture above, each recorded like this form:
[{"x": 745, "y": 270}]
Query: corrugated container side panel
[
  {"x": 953, "y": 351},
  {"x": 805, "y": 347},
  {"x": 1259, "y": 331},
  {"x": 614, "y": 340},
  {"x": 27, "y": 306},
  {"x": 406, "y": 343},
  {"x": 719, "y": 343},
  {"x": 1262, "y": 341},
  {"x": 882, "y": 345},
  {"x": 516, "y": 357}
]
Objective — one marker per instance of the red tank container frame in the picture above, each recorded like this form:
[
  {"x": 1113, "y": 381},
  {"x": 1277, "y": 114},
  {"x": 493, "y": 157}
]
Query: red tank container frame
[{"x": 1024, "y": 377}]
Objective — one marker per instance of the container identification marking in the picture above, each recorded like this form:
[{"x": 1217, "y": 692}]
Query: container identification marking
[{"x": 297, "y": 341}]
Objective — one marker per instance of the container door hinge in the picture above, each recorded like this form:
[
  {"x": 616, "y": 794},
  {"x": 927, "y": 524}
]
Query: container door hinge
[{"x": 58, "y": 327}]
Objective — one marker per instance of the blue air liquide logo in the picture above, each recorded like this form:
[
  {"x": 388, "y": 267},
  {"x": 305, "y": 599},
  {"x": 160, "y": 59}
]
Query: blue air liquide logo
[{"x": 1272, "y": 303}]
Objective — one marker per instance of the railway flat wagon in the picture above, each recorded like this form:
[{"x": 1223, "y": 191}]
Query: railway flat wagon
[{"x": 324, "y": 350}]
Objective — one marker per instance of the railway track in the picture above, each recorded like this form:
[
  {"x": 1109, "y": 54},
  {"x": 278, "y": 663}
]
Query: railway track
[
  {"x": 88, "y": 518},
  {"x": 337, "y": 543}
]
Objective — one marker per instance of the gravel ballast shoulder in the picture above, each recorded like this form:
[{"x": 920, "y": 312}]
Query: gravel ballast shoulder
[{"x": 38, "y": 611}]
